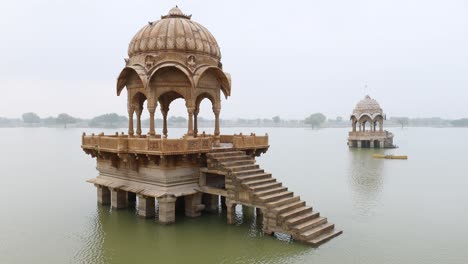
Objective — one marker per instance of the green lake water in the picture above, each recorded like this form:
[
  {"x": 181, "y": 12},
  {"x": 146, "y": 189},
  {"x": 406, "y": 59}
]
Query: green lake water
[{"x": 391, "y": 211}]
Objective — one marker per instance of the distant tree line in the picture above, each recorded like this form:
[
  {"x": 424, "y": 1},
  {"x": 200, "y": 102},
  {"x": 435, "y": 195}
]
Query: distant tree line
[{"x": 316, "y": 120}]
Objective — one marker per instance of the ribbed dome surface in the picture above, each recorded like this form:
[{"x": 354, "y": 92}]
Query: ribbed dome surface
[
  {"x": 174, "y": 32},
  {"x": 368, "y": 105}
]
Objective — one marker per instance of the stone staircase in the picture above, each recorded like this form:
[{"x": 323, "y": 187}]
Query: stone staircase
[{"x": 283, "y": 212}]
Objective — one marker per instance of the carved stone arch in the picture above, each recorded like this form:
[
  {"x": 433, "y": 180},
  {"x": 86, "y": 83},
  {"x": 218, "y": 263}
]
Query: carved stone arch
[
  {"x": 175, "y": 65},
  {"x": 365, "y": 116},
  {"x": 206, "y": 95},
  {"x": 138, "y": 99},
  {"x": 170, "y": 77},
  {"x": 131, "y": 76},
  {"x": 223, "y": 79}
]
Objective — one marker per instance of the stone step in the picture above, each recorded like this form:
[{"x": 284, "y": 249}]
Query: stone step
[
  {"x": 232, "y": 158},
  {"x": 259, "y": 182},
  {"x": 287, "y": 207},
  {"x": 295, "y": 212},
  {"x": 276, "y": 196},
  {"x": 246, "y": 178},
  {"x": 248, "y": 172},
  {"x": 242, "y": 167},
  {"x": 302, "y": 218},
  {"x": 317, "y": 241},
  {"x": 238, "y": 163},
  {"x": 267, "y": 186},
  {"x": 314, "y": 222},
  {"x": 271, "y": 191},
  {"x": 225, "y": 154},
  {"x": 284, "y": 201},
  {"x": 316, "y": 231}
]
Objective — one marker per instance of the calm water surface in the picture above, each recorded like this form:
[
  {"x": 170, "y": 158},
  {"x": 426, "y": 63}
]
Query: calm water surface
[{"x": 391, "y": 211}]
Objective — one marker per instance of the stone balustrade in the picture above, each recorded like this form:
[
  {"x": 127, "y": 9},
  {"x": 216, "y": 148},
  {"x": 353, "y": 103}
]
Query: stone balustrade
[
  {"x": 367, "y": 133},
  {"x": 120, "y": 143}
]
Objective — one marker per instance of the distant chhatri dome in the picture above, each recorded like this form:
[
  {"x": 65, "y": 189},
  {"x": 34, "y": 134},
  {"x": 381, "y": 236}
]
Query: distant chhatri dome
[
  {"x": 367, "y": 106},
  {"x": 174, "y": 32}
]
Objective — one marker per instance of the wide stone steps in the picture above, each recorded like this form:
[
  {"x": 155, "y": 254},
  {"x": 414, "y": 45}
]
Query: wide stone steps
[
  {"x": 309, "y": 224},
  {"x": 289, "y": 206},
  {"x": 316, "y": 231},
  {"x": 317, "y": 241},
  {"x": 252, "y": 177},
  {"x": 291, "y": 214},
  {"x": 302, "y": 218},
  {"x": 270, "y": 191},
  {"x": 247, "y": 172},
  {"x": 275, "y": 196},
  {"x": 240, "y": 168},
  {"x": 266, "y": 186},
  {"x": 295, "y": 212}
]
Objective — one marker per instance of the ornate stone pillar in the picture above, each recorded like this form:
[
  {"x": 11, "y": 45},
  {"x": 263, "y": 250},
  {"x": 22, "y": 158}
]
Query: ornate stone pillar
[
  {"x": 118, "y": 199},
  {"x": 152, "y": 110},
  {"x": 146, "y": 206},
  {"x": 231, "y": 212},
  {"x": 131, "y": 110},
  {"x": 354, "y": 126},
  {"x": 190, "y": 121},
  {"x": 103, "y": 195},
  {"x": 382, "y": 144},
  {"x": 167, "y": 209},
  {"x": 372, "y": 144},
  {"x": 193, "y": 205},
  {"x": 164, "y": 112},
  {"x": 380, "y": 126},
  {"x": 359, "y": 143},
  {"x": 216, "y": 111},
  {"x": 138, "y": 111},
  {"x": 195, "y": 122},
  {"x": 360, "y": 127}
]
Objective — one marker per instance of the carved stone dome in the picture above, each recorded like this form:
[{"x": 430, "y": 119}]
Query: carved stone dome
[
  {"x": 174, "y": 32},
  {"x": 367, "y": 106}
]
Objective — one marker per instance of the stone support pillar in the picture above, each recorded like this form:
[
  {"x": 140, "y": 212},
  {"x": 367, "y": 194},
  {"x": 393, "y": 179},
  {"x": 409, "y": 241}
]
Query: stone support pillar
[
  {"x": 216, "y": 111},
  {"x": 103, "y": 195},
  {"x": 231, "y": 212},
  {"x": 382, "y": 144},
  {"x": 195, "y": 122},
  {"x": 360, "y": 127},
  {"x": 118, "y": 199},
  {"x": 190, "y": 121},
  {"x": 193, "y": 205},
  {"x": 359, "y": 143},
  {"x": 130, "y": 121},
  {"x": 164, "y": 112},
  {"x": 372, "y": 144},
  {"x": 211, "y": 202},
  {"x": 146, "y": 206},
  {"x": 138, "y": 115},
  {"x": 152, "y": 131},
  {"x": 167, "y": 209}
]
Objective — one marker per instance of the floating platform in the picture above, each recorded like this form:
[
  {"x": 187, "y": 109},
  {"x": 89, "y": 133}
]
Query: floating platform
[{"x": 380, "y": 156}]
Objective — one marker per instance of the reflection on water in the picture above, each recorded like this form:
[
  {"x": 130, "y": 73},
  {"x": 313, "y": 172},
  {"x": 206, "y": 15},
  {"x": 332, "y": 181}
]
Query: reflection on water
[
  {"x": 366, "y": 178},
  {"x": 391, "y": 211}
]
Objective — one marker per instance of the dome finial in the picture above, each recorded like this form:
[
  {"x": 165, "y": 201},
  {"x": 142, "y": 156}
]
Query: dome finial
[{"x": 176, "y": 12}]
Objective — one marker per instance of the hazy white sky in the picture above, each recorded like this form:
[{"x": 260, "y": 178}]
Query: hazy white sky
[{"x": 286, "y": 58}]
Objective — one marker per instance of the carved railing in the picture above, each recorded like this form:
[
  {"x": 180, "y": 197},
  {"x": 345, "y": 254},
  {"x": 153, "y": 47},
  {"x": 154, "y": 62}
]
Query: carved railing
[
  {"x": 245, "y": 141},
  {"x": 367, "y": 133},
  {"x": 157, "y": 146}
]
